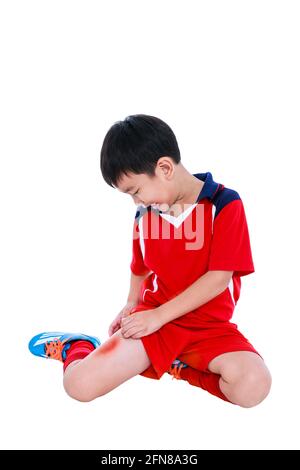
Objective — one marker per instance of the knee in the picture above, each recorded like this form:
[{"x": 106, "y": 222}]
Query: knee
[
  {"x": 76, "y": 390},
  {"x": 253, "y": 387}
]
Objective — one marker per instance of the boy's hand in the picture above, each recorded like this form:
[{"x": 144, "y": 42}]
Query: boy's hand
[
  {"x": 116, "y": 323},
  {"x": 141, "y": 324}
]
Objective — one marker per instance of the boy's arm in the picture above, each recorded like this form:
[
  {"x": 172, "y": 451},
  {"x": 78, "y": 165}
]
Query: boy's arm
[
  {"x": 135, "y": 287},
  {"x": 230, "y": 252},
  {"x": 139, "y": 271},
  {"x": 208, "y": 286}
]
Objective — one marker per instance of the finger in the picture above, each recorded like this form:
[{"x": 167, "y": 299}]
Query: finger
[
  {"x": 127, "y": 326},
  {"x": 126, "y": 332},
  {"x": 114, "y": 327},
  {"x": 137, "y": 335},
  {"x": 131, "y": 331}
]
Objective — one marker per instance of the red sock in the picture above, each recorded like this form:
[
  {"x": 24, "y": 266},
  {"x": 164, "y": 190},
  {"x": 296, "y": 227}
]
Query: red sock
[
  {"x": 206, "y": 380},
  {"x": 78, "y": 350}
]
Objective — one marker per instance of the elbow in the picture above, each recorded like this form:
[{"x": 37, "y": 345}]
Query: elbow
[{"x": 227, "y": 277}]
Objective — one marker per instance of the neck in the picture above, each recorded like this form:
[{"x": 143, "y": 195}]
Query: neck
[{"x": 191, "y": 187}]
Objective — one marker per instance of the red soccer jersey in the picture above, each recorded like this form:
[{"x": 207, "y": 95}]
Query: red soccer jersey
[{"x": 211, "y": 234}]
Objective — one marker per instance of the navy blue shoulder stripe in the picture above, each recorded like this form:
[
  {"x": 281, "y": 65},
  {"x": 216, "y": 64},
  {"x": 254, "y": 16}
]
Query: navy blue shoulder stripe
[
  {"x": 220, "y": 199},
  {"x": 223, "y": 197}
]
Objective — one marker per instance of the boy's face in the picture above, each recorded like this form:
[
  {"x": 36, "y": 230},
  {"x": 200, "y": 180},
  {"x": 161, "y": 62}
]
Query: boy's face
[{"x": 157, "y": 191}]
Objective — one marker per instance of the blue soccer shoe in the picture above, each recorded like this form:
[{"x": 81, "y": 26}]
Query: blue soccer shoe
[
  {"x": 54, "y": 344},
  {"x": 175, "y": 369}
]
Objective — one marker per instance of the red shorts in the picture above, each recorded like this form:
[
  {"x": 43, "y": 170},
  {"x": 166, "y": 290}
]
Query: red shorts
[{"x": 194, "y": 346}]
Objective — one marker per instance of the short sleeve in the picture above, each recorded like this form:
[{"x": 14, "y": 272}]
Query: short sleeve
[
  {"x": 137, "y": 264},
  {"x": 230, "y": 245}
]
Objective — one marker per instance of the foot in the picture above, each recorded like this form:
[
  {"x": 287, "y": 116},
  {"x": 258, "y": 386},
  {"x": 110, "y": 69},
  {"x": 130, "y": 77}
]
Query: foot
[
  {"x": 54, "y": 344},
  {"x": 176, "y": 367}
]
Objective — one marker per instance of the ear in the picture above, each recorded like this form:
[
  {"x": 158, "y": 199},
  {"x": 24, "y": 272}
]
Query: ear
[{"x": 165, "y": 167}]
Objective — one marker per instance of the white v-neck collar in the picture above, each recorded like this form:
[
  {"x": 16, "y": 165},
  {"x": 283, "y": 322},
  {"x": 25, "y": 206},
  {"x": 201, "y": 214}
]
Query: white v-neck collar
[
  {"x": 177, "y": 221},
  {"x": 209, "y": 190}
]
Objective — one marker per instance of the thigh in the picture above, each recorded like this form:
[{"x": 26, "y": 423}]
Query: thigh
[
  {"x": 232, "y": 365},
  {"x": 213, "y": 343},
  {"x": 115, "y": 361},
  {"x": 162, "y": 346}
]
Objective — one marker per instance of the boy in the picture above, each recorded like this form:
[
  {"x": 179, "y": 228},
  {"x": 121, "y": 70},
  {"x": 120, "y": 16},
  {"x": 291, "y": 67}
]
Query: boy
[{"x": 190, "y": 248}]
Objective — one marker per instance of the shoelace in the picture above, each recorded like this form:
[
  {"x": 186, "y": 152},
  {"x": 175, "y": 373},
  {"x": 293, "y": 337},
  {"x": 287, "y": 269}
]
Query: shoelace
[
  {"x": 175, "y": 371},
  {"x": 53, "y": 349}
]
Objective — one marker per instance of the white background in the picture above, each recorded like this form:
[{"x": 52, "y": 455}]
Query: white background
[{"x": 225, "y": 76}]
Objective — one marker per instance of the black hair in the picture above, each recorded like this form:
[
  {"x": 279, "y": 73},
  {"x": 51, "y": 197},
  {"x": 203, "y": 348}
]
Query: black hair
[{"x": 135, "y": 145}]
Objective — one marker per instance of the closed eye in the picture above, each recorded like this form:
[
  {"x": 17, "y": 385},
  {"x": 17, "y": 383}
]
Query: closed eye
[{"x": 135, "y": 192}]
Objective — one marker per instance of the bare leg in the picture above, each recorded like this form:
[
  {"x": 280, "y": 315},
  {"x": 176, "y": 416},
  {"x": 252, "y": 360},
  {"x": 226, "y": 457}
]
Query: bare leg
[
  {"x": 245, "y": 379},
  {"x": 111, "y": 364}
]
